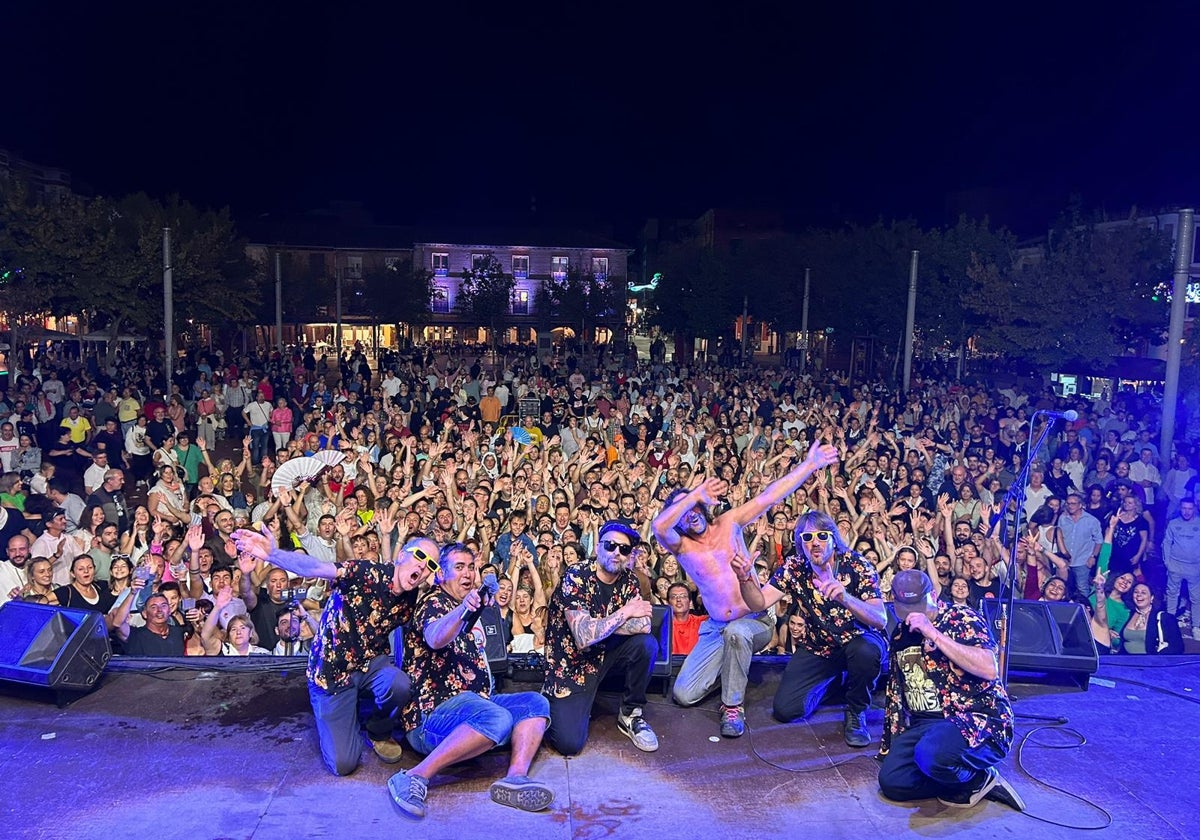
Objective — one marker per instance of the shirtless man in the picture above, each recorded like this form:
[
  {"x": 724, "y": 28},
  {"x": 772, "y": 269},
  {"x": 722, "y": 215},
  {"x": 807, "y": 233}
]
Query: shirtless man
[{"x": 709, "y": 552}]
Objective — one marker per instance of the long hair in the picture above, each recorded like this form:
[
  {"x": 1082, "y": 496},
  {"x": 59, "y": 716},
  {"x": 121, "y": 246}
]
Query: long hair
[{"x": 816, "y": 520}]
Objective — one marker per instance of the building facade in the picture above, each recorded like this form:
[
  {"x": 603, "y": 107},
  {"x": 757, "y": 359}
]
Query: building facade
[{"x": 317, "y": 265}]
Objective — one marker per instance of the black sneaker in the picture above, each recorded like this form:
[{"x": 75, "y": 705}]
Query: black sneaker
[
  {"x": 854, "y": 729},
  {"x": 1004, "y": 793},
  {"x": 408, "y": 791},
  {"x": 733, "y": 721},
  {"x": 994, "y": 787},
  {"x": 634, "y": 726}
]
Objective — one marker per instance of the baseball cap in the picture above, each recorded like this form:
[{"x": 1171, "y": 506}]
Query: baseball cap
[
  {"x": 910, "y": 590},
  {"x": 615, "y": 526}
]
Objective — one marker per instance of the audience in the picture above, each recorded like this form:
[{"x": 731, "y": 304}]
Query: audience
[{"x": 439, "y": 448}]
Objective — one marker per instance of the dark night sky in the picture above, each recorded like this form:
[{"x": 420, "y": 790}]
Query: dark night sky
[{"x": 612, "y": 112}]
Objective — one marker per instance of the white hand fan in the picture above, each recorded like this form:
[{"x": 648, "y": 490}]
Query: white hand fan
[
  {"x": 295, "y": 471},
  {"x": 330, "y": 457}
]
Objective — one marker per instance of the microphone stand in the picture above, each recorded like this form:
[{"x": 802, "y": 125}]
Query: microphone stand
[{"x": 1015, "y": 494}]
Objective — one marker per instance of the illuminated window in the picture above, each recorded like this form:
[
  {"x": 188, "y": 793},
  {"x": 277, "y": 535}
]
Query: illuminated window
[
  {"x": 440, "y": 303},
  {"x": 520, "y": 267},
  {"x": 520, "y": 302},
  {"x": 441, "y": 265},
  {"x": 600, "y": 268},
  {"x": 559, "y": 266}
]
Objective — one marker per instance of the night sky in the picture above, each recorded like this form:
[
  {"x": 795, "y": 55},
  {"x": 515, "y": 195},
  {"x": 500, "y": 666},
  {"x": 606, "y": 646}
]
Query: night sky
[{"x": 447, "y": 112}]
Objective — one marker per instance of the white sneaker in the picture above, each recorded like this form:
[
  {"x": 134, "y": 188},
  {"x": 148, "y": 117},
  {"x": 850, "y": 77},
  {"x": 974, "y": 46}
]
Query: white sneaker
[{"x": 634, "y": 726}]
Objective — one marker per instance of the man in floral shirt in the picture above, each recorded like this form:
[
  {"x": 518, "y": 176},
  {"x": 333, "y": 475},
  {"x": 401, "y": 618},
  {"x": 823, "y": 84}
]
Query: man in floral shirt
[
  {"x": 949, "y": 721},
  {"x": 351, "y": 653},
  {"x": 453, "y": 714},
  {"x": 836, "y": 592},
  {"x": 598, "y": 621}
]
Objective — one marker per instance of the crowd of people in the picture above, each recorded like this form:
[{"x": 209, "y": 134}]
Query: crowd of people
[{"x": 768, "y": 510}]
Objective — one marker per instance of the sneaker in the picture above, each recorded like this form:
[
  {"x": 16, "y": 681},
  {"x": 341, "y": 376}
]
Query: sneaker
[
  {"x": 1004, "y": 793},
  {"x": 994, "y": 787},
  {"x": 733, "y": 721},
  {"x": 521, "y": 792},
  {"x": 634, "y": 726},
  {"x": 854, "y": 729},
  {"x": 408, "y": 791},
  {"x": 388, "y": 750}
]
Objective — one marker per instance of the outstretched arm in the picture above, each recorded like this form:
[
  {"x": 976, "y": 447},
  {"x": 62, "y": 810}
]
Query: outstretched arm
[
  {"x": 819, "y": 456},
  {"x": 262, "y": 546}
]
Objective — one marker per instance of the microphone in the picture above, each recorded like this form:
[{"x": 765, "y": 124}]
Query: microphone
[
  {"x": 1070, "y": 415},
  {"x": 488, "y": 590}
]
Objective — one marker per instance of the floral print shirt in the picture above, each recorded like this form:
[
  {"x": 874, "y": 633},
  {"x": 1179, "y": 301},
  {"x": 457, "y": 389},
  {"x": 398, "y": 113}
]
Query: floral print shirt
[
  {"x": 357, "y": 623},
  {"x": 831, "y": 626},
  {"x": 979, "y": 708},
  {"x": 569, "y": 669},
  {"x": 439, "y": 675}
]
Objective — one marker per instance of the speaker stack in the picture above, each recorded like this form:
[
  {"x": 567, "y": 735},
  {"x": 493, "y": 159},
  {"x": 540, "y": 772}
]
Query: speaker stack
[
  {"x": 52, "y": 647},
  {"x": 1047, "y": 637}
]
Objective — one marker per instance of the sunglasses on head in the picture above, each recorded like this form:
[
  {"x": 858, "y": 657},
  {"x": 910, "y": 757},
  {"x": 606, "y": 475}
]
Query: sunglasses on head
[
  {"x": 625, "y": 548},
  {"x": 431, "y": 563},
  {"x": 823, "y": 536}
]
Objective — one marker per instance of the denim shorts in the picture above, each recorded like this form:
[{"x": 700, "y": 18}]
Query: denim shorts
[{"x": 494, "y": 719}]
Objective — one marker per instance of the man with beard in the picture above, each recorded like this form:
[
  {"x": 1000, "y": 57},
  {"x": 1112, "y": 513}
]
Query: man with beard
[
  {"x": 597, "y": 622},
  {"x": 707, "y": 551},
  {"x": 13, "y": 576},
  {"x": 836, "y": 592}
]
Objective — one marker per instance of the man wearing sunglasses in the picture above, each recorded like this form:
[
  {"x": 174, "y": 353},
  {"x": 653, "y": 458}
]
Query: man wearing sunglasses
[
  {"x": 707, "y": 551},
  {"x": 351, "y": 655},
  {"x": 836, "y": 592},
  {"x": 598, "y": 622}
]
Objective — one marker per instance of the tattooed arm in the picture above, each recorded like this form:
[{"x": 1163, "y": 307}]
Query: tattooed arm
[{"x": 628, "y": 620}]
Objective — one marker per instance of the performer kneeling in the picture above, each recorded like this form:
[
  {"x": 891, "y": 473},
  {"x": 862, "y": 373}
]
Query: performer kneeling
[{"x": 949, "y": 721}]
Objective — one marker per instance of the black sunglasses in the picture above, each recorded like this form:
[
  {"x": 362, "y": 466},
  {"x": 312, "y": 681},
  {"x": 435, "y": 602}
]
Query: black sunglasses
[{"x": 625, "y": 548}]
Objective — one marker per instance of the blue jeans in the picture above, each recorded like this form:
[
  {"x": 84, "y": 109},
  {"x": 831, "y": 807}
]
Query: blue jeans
[
  {"x": 492, "y": 718},
  {"x": 258, "y": 445},
  {"x": 932, "y": 758},
  {"x": 723, "y": 651},
  {"x": 1081, "y": 580},
  {"x": 336, "y": 712}
]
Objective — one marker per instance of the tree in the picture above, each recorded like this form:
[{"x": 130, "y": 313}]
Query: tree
[
  {"x": 582, "y": 299},
  {"x": 39, "y": 246},
  {"x": 1089, "y": 294},
  {"x": 486, "y": 293},
  {"x": 695, "y": 297},
  {"x": 104, "y": 258},
  {"x": 945, "y": 316},
  {"x": 397, "y": 293}
]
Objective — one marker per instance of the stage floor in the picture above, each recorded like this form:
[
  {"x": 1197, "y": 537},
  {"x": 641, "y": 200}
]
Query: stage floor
[{"x": 196, "y": 755}]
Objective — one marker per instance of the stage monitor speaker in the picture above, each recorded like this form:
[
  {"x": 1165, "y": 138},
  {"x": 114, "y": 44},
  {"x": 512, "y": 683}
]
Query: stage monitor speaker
[
  {"x": 1046, "y": 637},
  {"x": 53, "y": 647},
  {"x": 495, "y": 639}
]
